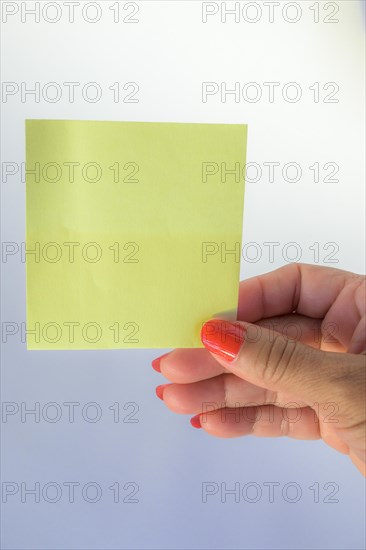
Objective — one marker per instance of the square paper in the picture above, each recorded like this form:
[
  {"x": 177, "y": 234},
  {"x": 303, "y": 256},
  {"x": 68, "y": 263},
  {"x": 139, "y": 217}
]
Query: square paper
[{"x": 133, "y": 231}]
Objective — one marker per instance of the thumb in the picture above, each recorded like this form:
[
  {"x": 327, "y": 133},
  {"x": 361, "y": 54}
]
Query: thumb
[{"x": 270, "y": 360}]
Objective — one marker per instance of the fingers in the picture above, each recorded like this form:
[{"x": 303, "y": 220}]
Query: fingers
[
  {"x": 271, "y": 360},
  {"x": 264, "y": 421},
  {"x": 225, "y": 390},
  {"x": 188, "y": 365},
  {"x": 313, "y": 291},
  {"x": 184, "y": 366},
  {"x": 308, "y": 289},
  {"x": 307, "y": 330}
]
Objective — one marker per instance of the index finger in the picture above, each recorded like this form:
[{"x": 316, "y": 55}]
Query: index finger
[{"x": 307, "y": 289}]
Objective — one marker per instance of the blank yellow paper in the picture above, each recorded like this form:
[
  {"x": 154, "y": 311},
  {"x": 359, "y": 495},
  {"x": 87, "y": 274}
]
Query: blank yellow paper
[{"x": 133, "y": 231}]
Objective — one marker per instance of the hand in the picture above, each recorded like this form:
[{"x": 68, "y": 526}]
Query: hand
[{"x": 293, "y": 364}]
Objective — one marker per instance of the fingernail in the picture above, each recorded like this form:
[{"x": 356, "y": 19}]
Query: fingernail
[
  {"x": 223, "y": 338},
  {"x": 160, "y": 390},
  {"x": 156, "y": 362},
  {"x": 196, "y": 421}
]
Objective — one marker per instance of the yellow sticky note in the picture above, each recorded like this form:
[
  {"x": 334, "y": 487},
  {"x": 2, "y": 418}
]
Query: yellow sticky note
[{"x": 133, "y": 231}]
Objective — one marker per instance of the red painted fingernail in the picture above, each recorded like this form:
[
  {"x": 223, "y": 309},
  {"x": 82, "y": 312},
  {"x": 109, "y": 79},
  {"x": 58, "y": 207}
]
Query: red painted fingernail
[
  {"x": 160, "y": 390},
  {"x": 223, "y": 338},
  {"x": 196, "y": 421},
  {"x": 156, "y": 363}
]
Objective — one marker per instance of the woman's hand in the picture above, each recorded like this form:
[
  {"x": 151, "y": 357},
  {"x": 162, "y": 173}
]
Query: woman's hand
[{"x": 293, "y": 364}]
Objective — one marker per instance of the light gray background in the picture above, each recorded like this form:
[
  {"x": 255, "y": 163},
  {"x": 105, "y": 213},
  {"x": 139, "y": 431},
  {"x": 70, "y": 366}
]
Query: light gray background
[{"x": 169, "y": 52}]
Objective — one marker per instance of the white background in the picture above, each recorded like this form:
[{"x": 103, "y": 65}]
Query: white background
[{"x": 169, "y": 52}]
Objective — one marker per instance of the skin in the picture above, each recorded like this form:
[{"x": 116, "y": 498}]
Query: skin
[{"x": 303, "y": 373}]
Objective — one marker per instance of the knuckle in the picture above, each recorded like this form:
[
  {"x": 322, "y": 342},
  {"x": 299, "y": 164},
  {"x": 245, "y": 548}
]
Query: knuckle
[{"x": 276, "y": 359}]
